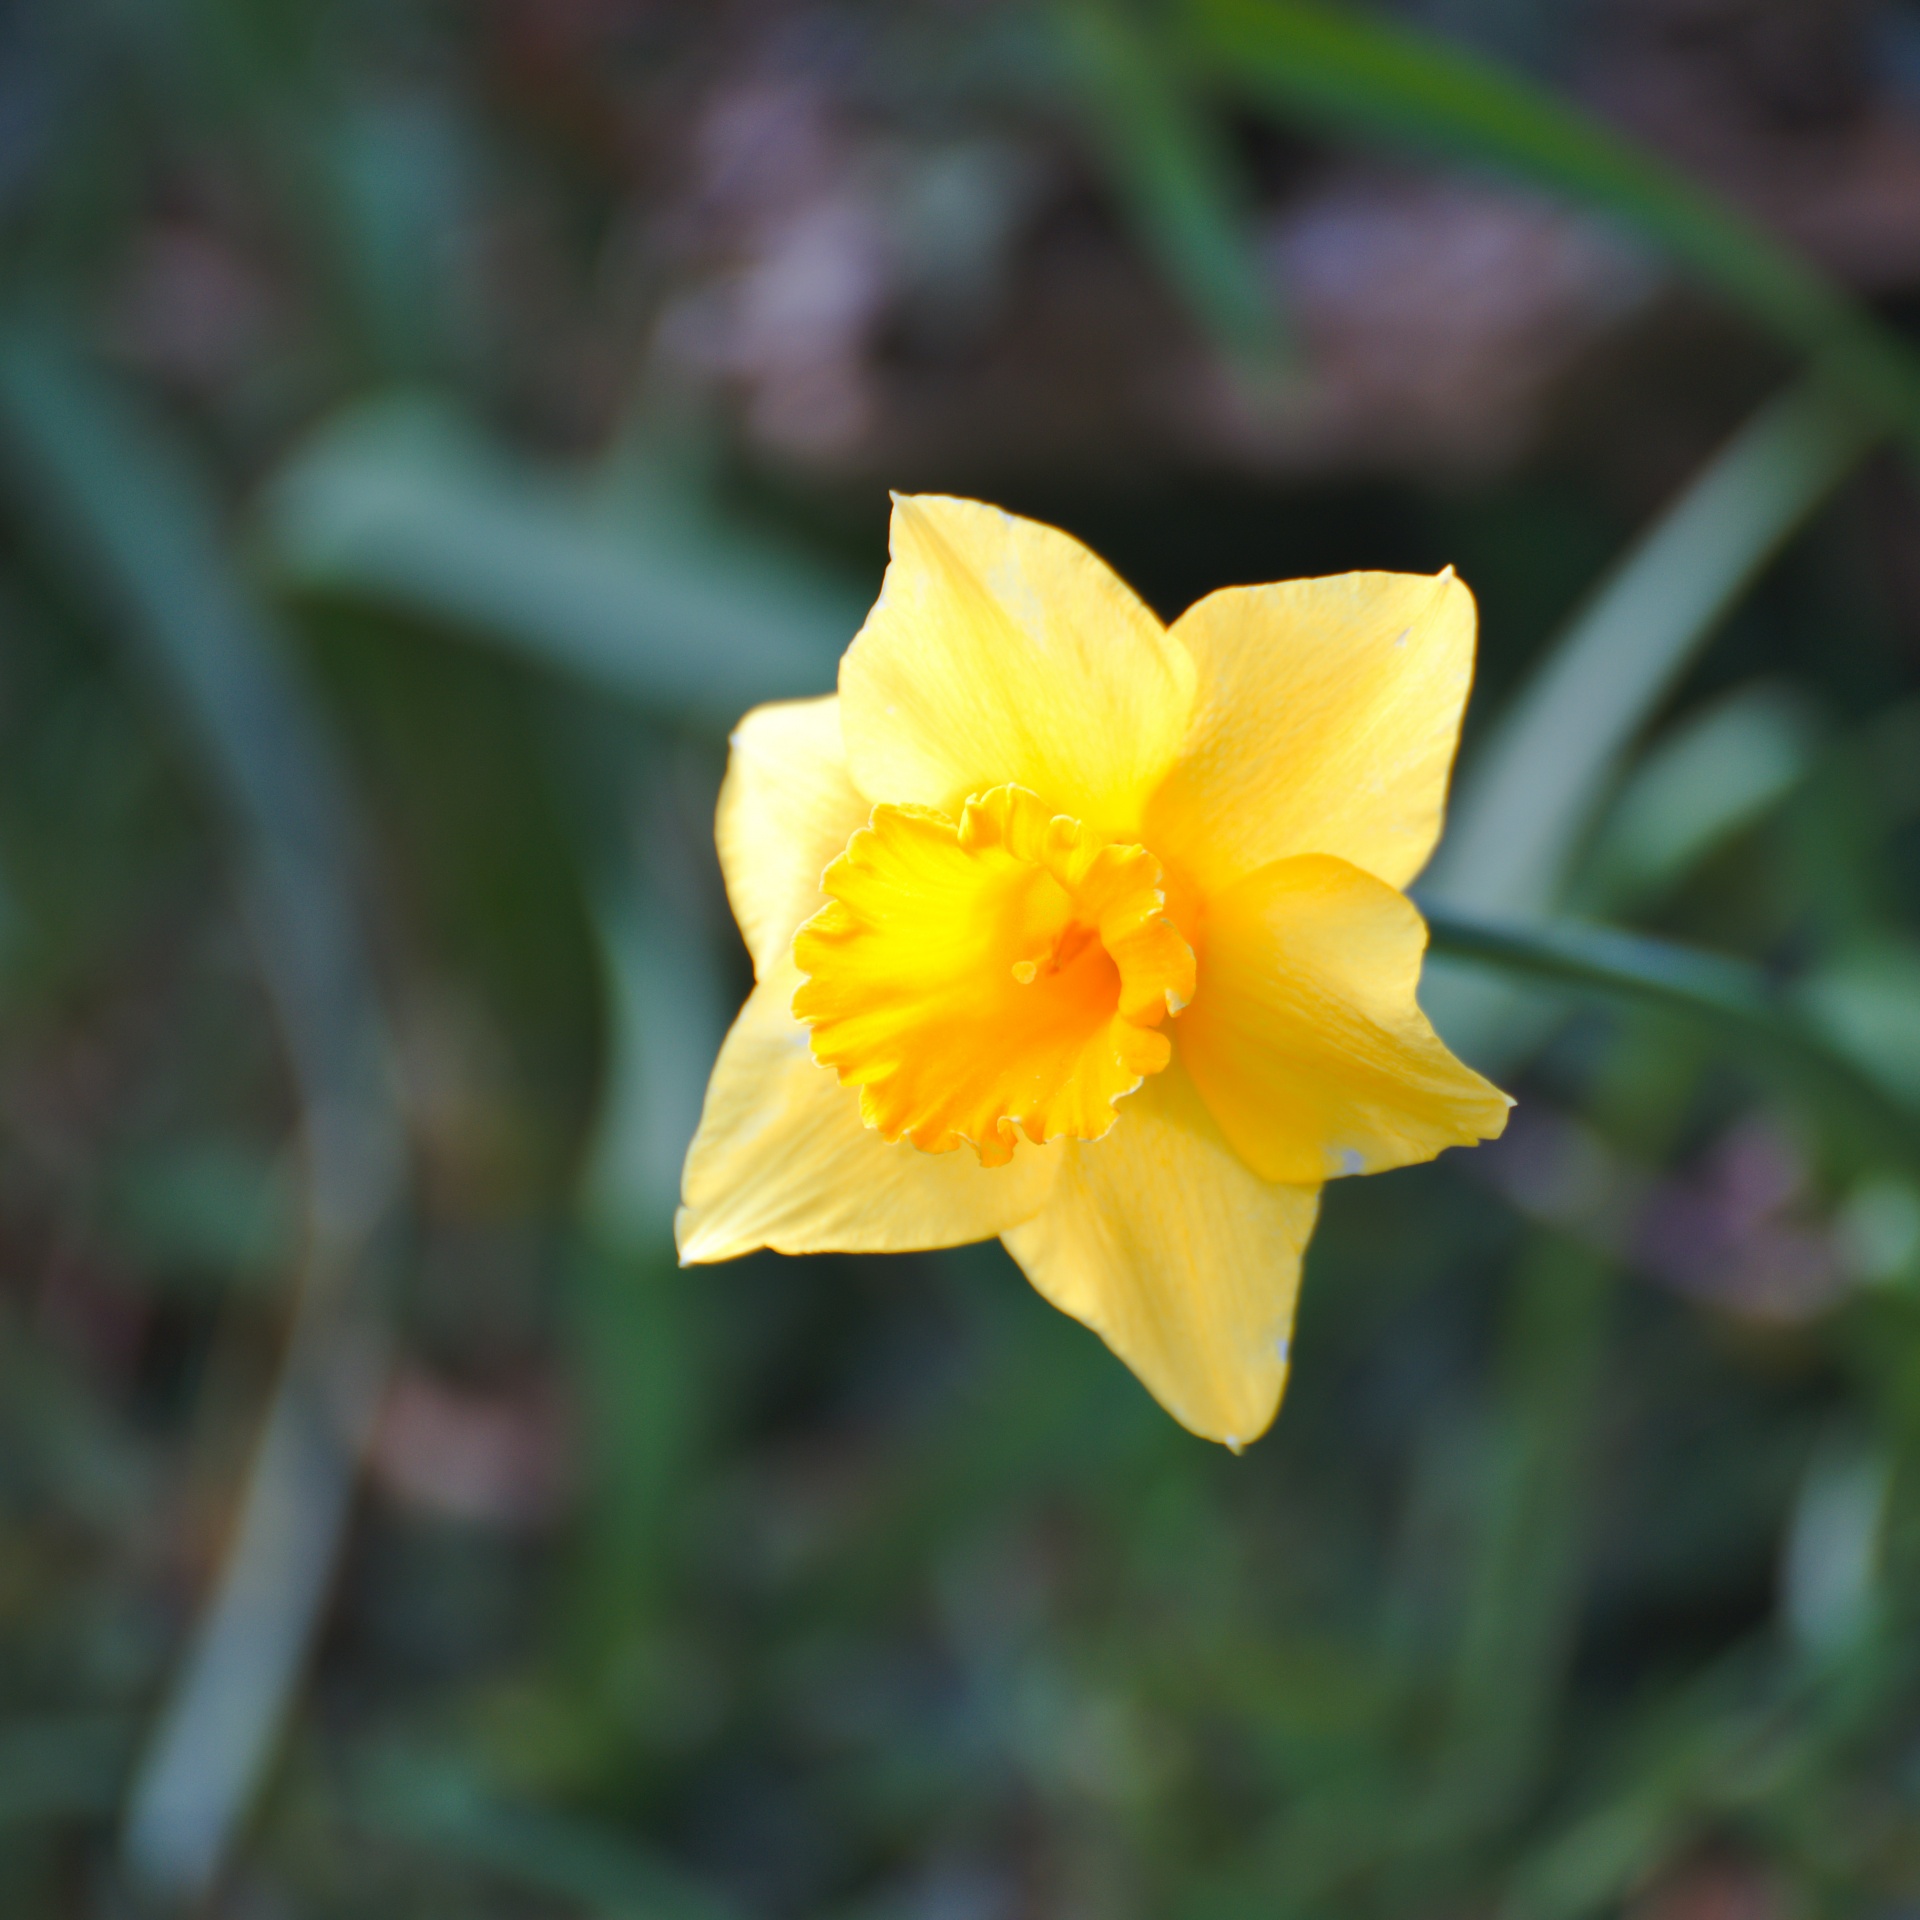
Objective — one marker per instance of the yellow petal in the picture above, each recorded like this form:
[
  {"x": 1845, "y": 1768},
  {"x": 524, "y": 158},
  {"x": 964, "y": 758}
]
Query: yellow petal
[
  {"x": 1304, "y": 1036},
  {"x": 1326, "y": 721},
  {"x": 1001, "y": 651},
  {"x": 783, "y": 1160},
  {"x": 787, "y": 809},
  {"x": 1183, "y": 1262},
  {"x": 996, "y": 974}
]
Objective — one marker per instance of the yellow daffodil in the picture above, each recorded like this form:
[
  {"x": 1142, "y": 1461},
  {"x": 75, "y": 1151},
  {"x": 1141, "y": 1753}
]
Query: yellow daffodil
[{"x": 1087, "y": 932}]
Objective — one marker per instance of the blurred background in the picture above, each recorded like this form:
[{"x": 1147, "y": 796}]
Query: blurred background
[{"x": 424, "y": 428}]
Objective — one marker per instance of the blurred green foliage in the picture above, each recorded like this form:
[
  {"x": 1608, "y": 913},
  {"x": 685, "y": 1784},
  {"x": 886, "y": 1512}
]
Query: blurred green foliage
[{"x": 387, "y": 1525}]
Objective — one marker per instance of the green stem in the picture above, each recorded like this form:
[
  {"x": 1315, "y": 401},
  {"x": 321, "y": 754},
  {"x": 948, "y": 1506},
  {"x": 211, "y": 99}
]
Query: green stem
[{"x": 1728, "y": 999}]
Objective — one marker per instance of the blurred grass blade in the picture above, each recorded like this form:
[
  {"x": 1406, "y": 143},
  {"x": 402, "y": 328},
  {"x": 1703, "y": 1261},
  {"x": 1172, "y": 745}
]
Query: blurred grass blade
[
  {"x": 1534, "y": 788},
  {"x": 640, "y": 807},
  {"x": 642, "y": 1357},
  {"x": 139, "y": 524},
  {"x": 666, "y": 1031},
  {"x": 1724, "y": 998},
  {"x": 405, "y": 504},
  {"x": 440, "y": 1806},
  {"x": 1830, "y": 1558},
  {"x": 1528, "y": 800},
  {"x": 387, "y": 182},
  {"x": 1709, "y": 779},
  {"x": 1385, "y": 81},
  {"x": 1522, "y": 1609},
  {"x": 641, "y": 1351},
  {"x": 1176, "y": 177},
  {"x": 1866, "y": 1000},
  {"x": 1685, "y": 1758},
  {"x": 667, "y": 1025}
]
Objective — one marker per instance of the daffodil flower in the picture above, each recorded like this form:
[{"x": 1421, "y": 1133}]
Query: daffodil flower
[{"x": 1087, "y": 932}]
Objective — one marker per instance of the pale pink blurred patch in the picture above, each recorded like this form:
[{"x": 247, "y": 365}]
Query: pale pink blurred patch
[
  {"x": 1714, "y": 1890},
  {"x": 1741, "y": 1229},
  {"x": 788, "y": 315},
  {"x": 499, "y": 1459},
  {"x": 192, "y": 309},
  {"x": 1438, "y": 317}
]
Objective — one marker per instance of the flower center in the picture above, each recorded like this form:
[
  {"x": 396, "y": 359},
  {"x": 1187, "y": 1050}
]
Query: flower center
[{"x": 996, "y": 975}]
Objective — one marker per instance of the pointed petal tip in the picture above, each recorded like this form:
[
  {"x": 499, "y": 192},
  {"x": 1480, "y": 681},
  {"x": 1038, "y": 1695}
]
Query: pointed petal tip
[
  {"x": 693, "y": 1246},
  {"x": 1250, "y": 1423},
  {"x": 1327, "y": 722},
  {"x": 1005, "y": 651}
]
